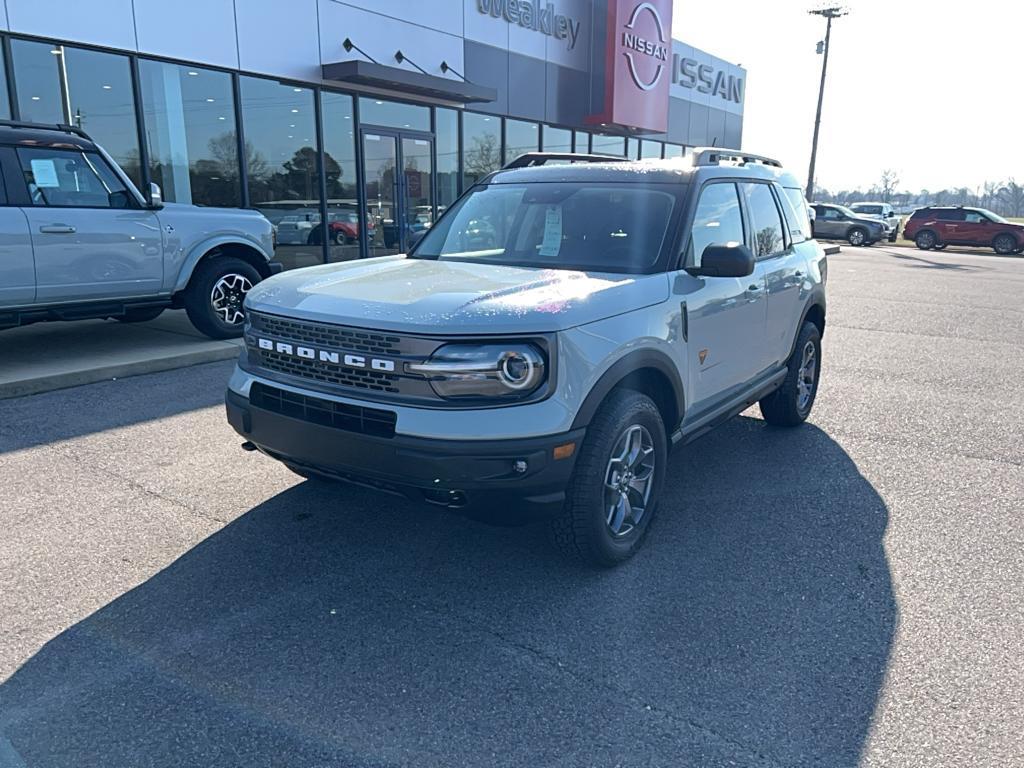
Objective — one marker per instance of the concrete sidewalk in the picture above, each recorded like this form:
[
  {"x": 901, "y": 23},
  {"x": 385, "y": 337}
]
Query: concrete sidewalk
[{"x": 46, "y": 356}]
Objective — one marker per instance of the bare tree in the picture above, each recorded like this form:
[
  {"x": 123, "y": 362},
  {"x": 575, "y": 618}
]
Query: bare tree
[
  {"x": 888, "y": 183},
  {"x": 1012, "y": 196}
]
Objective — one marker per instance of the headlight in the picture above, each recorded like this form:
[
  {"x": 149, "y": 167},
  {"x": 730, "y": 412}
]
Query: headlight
[{"x": 505, "y": 371}]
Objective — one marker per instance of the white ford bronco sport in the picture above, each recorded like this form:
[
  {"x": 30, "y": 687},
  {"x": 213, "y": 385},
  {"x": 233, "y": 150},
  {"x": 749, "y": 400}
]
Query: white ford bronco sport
[{"x": 545, "y": 343}]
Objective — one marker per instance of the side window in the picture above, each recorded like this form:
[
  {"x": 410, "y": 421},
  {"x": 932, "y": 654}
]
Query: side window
[
  {"x": 827, "y": 214},
  {"x": 796, "y": 214},
  {"x": 65, "y": 178},
  {"x": 949, "y": 214},
  {"x": 718, "y": 221},
  {"x": 768, "y": 239},
  {"x": 974, "y": 218}
]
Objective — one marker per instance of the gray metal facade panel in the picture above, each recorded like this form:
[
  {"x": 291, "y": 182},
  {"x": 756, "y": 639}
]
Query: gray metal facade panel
[
  {"x": 527, "y": 87},
  {"x": 716, "y": 127},
  {"x": 697, "y": 135},
  {"x": 568, "y": 96},
  {"x": 487, "y": 65}
]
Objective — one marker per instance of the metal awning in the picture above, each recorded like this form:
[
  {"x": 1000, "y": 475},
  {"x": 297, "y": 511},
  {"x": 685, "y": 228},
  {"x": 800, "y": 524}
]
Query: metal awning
[{"x": 407, "y": 81}]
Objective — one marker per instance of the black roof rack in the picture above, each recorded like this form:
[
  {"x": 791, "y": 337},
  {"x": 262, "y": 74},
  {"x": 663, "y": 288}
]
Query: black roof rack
[
  {"x": 531, "y": 159},
  {"x": 717, "y": 155},
  {"x": 63, "y": 127}
]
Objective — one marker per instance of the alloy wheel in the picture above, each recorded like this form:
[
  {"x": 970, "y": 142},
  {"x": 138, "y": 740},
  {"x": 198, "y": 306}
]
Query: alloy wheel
[
  {"x": 629, "y": 478},
  {"x": 227, "y": 296},
  {"x": 806, "y": 377},
  {"x": 856, "y": 237}
]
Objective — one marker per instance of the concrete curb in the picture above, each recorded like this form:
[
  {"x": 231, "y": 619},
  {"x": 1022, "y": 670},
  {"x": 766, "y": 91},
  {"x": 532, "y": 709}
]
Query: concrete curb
[{"x": 66, "y": 379}]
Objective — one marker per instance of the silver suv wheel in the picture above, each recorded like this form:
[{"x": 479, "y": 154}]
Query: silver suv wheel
[
  {"x": 628, "y": 480},
  {"x": 806, "y": 377},
  {"x": 227, "y": 296}
]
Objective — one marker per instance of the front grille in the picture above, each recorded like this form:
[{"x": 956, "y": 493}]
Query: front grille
[
  {"x": 373, "y": 381},
  {"x": 350, "y": 418},
  {"x": 320, "y": 334}
]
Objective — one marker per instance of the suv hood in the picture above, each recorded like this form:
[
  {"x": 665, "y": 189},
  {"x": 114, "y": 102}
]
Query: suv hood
[{"x": 449, "y": 297}]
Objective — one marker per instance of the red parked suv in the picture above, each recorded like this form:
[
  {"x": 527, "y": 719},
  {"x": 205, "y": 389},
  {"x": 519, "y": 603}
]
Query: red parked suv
[{"x": 936, "y": 227}]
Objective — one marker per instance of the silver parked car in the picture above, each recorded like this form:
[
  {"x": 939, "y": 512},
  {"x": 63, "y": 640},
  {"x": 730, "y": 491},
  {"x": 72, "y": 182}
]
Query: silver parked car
[
  {"x": 546, "y": 342},
  {"x": 883, "y": 212},
  {"x": 78, "y": 240},
  {"x": 837, "y": 222}
]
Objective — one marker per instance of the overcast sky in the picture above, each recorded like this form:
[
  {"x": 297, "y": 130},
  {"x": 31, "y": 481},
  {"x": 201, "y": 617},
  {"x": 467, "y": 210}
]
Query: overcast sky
[{"x": 913, "y": 85}]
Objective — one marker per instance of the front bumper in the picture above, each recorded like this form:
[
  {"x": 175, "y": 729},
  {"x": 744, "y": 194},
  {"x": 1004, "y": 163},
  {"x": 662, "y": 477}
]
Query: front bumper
[{"x": 477, "y": 477}]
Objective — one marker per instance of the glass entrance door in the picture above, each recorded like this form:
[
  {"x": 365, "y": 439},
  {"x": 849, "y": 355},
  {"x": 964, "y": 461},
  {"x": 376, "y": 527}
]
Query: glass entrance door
[{"x": 398, "y": 204}]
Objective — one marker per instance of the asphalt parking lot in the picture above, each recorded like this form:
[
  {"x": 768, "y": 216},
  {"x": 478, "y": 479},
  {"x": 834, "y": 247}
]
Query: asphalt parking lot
[{"x": 847, "y": 593}]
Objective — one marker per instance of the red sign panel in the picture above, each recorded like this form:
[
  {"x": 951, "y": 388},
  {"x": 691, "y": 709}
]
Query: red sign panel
[{"x": 637, "y": 64}]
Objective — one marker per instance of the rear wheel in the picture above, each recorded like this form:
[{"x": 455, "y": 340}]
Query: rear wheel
[
  {"x": 140, "y": 314},
  {"x": 926, "y": 240},
  {"x": 615, "y": 485},
  {"x": 215, "y": 294},
  {"x": 1004, "y": 245},
  {"x": 791, "y": 404},
  {"x": 857, "y": 236}
]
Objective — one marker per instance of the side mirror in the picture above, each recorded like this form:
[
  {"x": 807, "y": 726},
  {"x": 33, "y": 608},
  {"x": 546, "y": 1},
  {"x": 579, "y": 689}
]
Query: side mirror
[
  {"x": 156, "y": 195},
  {"x": 414, "y": 239},
  {"x": 725, "y": 261}
]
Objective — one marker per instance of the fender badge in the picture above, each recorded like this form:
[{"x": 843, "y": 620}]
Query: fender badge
[{"x": 702, "y": 356}]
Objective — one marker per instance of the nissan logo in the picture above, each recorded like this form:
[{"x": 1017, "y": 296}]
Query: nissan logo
[
  {"x": 639, "y": 46},
  {"x": 326, "y": 356}
]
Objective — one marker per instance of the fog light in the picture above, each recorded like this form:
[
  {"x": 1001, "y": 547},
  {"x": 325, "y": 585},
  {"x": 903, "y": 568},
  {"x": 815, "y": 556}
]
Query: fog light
[{"x": 519, "y": 466}]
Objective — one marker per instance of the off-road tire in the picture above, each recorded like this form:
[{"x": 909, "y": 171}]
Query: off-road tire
[
  {"x": 198, "y": 295},
  {"x": 782, "y": 408},
  {"x": 580, "y": 529},
  {"x": 140, "y": 314}
]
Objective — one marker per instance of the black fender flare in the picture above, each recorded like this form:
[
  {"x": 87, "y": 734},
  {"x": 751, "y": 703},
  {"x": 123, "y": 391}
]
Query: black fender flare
[
  {"x": 816, "y": 301},
  {"x": 620, "y": 370}
]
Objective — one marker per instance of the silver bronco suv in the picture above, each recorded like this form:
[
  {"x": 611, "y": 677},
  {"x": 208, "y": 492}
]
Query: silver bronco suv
[
  {"x": 78, "y": 240},
  {"x": 546, "y": 342}
]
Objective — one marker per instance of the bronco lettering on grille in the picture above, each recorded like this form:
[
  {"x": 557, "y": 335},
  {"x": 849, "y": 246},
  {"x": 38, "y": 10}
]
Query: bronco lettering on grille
[{"x": 326, "y": 356}]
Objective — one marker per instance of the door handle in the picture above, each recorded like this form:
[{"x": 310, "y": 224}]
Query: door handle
[
  {"x": 57, "y": 229},
  {"x": 798, "y": 273},
  {"x": 754, "y": 288}
]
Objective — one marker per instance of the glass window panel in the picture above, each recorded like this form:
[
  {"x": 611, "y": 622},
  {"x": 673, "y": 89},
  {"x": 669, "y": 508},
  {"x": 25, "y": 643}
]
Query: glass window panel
[
  {"x": 718, "y": 221},
  {"x": 632, "y": 148},
  {"x": 189, "y": 113},
  {"x": 100, "y": 97},
  {"x": 5, "y": 100},
  {"x": 343, "y": 220},
  {"x": 65, "y": 178},
  {"x": 481, "y": 146},
  {"x": 673, "y": 150},
  {"x": 394, "y": 114},
  {"x": 607, "y": 145},
  {"x": 520, "y": 137},
  {"x": 557, "y": 139},
  {"x": 650, "y": 149},
  {"x": 281, "y": 160},
  {"x": 764, "y": 220},
  {"x": 582, "y": 139},
  {"x": 447, "y": 147},
  {"x": 37, "y": 77}
]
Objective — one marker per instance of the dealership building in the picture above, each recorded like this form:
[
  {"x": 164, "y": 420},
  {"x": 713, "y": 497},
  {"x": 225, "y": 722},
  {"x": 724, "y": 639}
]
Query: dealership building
[{"x": 351, "y": 124}]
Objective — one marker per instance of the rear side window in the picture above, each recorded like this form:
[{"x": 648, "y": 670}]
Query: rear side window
[
  {"x": 65, "y": 178},
  {"x": 949, "y": 214},
  {"x": 794, "y": 208},
  {"x": 766, "y": 221},
  {"x": 871, "y": 210},
  {"x": 718, "y": 221}
]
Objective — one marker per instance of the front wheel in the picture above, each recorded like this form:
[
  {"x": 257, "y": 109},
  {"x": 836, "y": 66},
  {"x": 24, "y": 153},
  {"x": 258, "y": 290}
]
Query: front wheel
[
  {"x": 214, "y": 296},
  {"x": 1004, "y": 245},
  {"x": 618, "y": 477},
  {"x": 857, "y": 236},
  {"x": 791, "y": 404}
]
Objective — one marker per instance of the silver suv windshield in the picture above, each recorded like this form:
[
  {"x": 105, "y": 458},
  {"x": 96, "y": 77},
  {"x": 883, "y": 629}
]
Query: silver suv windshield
[{"x": 611, "y": 227}]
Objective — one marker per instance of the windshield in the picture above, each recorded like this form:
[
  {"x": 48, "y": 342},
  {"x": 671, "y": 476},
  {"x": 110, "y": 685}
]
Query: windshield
[
  {"x": 994, "y": 216},
  {"x": 554, "y": 225},
  {"x": 845, "y": 211},
  {"x": 871, "y": 210}
]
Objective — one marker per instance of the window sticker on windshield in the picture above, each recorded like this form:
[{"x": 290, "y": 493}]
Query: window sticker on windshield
[
  {"x": 552, "y": 243},
  {"x": 44, "y": 173}
]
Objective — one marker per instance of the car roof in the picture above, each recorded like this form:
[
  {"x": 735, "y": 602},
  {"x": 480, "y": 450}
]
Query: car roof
[
  {"x": 665, "y": 171},
  {"x": 28, "y": 134}
]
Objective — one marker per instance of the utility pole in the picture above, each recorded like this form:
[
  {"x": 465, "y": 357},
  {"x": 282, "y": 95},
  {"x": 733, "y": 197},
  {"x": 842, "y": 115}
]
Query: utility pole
[{"x": 828, "y": 13}]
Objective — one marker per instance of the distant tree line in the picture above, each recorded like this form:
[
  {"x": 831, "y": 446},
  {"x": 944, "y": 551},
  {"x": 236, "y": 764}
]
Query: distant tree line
[{"x": 1003, "y": 197}]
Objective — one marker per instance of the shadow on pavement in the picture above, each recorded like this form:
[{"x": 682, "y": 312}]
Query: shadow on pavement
[
  {"x": 917, "y": 261},
  {"x": 332, "y": 626},
  {"x": 50, "y": 417}
]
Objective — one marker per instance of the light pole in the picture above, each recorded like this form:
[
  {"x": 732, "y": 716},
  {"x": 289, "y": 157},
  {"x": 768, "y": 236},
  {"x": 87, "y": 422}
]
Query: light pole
[{"x": 829, "y": 13}]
